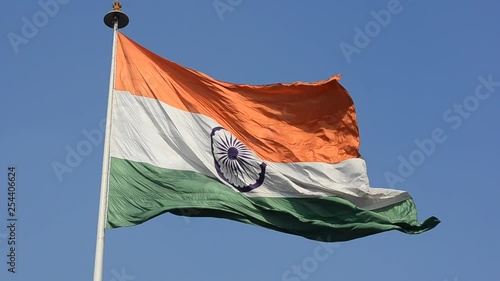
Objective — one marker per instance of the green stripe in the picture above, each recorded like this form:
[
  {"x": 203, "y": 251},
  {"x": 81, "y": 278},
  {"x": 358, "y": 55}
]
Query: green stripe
[{"x": 139, "y": 192}]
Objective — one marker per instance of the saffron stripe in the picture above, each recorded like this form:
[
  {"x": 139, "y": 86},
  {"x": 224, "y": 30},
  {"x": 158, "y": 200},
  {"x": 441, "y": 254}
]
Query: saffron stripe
[{"x": 297, "y": 122}]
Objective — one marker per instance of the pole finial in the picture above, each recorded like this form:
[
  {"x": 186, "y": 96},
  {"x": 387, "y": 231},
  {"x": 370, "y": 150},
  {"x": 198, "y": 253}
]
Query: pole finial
[
  {"x": 116, "y": 15},
  {"x": 117, "y": 6}
]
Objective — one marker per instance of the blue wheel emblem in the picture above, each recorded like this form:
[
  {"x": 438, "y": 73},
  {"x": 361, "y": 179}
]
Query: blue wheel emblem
[{"x": 235, "y": 163}]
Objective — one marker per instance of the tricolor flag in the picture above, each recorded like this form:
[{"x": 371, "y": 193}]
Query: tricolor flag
[{"x": 282, "y": 156}]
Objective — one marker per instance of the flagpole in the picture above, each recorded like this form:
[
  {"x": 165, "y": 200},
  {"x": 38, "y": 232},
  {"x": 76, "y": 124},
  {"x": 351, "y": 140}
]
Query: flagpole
[{"x": 115, "y": 19}]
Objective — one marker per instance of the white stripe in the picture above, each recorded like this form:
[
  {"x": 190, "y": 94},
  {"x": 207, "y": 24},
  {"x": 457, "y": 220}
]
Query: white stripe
[{"x": 149, "y": 131}]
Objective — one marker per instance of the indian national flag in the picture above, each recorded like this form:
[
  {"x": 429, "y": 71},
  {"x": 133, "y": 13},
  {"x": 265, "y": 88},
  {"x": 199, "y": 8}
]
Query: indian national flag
[{"x": 282, "y": 156}]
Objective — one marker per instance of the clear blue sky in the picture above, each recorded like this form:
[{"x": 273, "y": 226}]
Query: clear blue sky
[{"x": 415, "y": 76}]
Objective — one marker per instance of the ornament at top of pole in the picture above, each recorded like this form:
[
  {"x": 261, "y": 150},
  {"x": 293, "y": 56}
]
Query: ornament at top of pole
[
  {"x": 117, "y": 6},
  {"x": 116, "y": 15}
]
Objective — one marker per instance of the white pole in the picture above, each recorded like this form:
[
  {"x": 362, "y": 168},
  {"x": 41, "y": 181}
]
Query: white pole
[{"x": 103, "y": 202}]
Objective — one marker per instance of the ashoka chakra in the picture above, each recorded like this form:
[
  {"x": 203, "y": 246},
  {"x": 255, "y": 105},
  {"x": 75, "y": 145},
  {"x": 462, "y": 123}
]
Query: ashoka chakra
[{"x": 235, "y": 163}]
